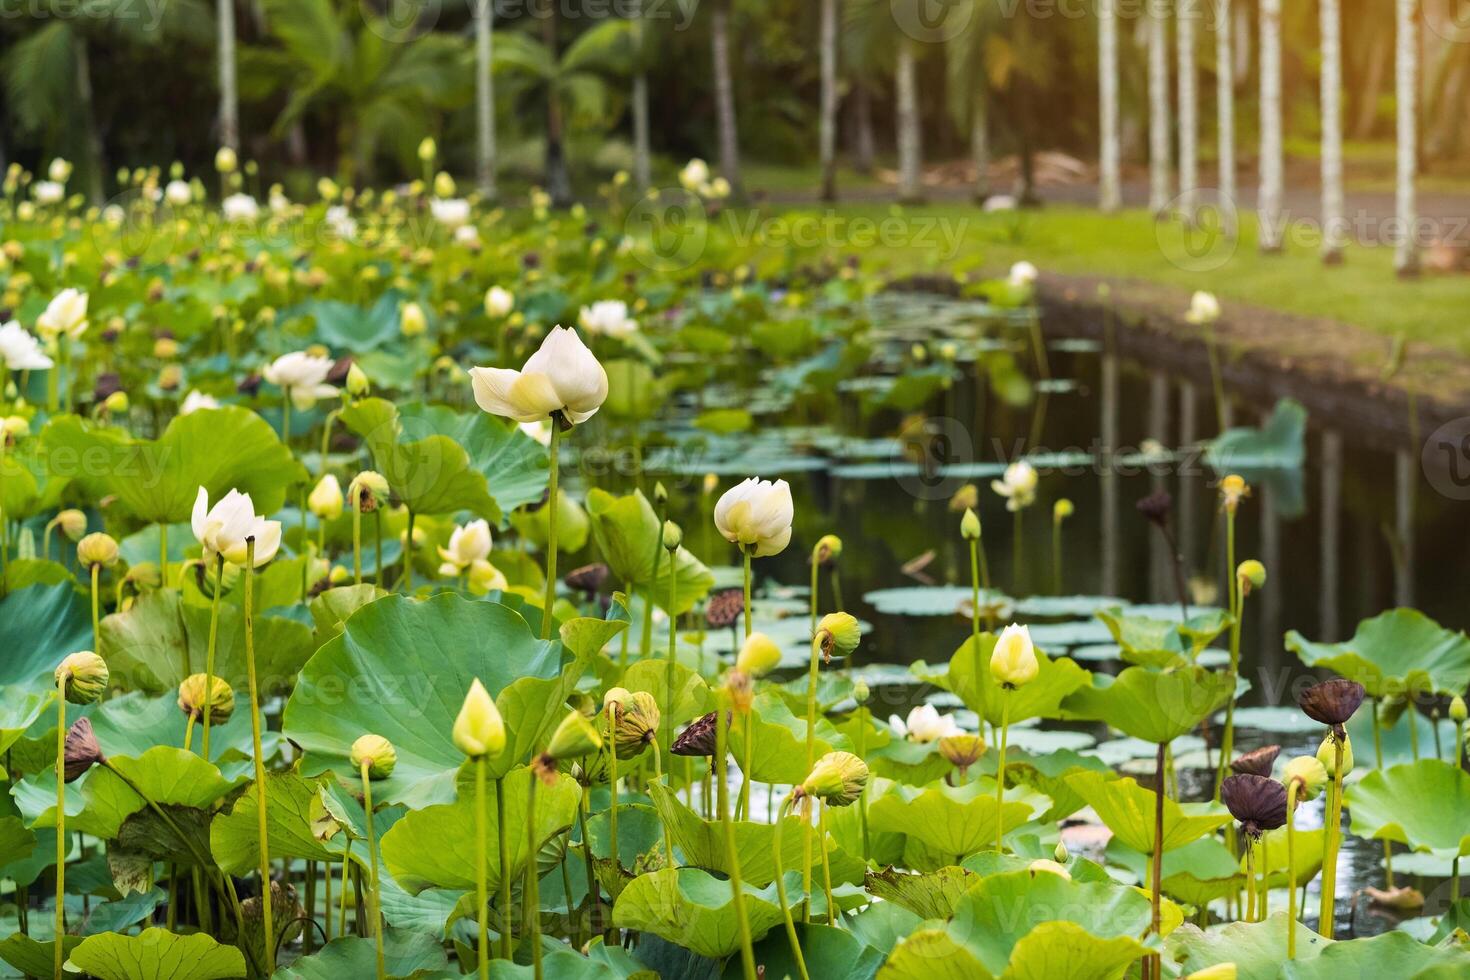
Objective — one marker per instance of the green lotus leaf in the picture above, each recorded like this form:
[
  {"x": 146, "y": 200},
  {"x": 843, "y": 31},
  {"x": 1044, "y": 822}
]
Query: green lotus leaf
[
  {"x": 39, "y": 626},
  {"x": 332, "y": 608},
  {"x": 691, "y": 694},
  {"x": 928, "y": 600},
  {"x": 405, "y": 953},
  {"x": 1398, "y": 652},
  {"x": 20, "y": 709},
  {"x": 32, "y": 958},
  {"x": 779, "y": 752},
  {"x": 1047, "y": 773},
  {"x": 627, "y": 531},
  {"x": 693, "y": 908},
  {"x": 1258, "y": 949},
  {"x": 1163, "y": 643},
  {"x": 1128, "y": 810},
  {"x": 358, "y": 329},
  {"x": 702, "y": 843},
  {"x": 17, "y": 842},
  {"x": 931, "y": 954},
  {"x": 587, "y": 636},
  {"x": 1279, "y": 444},
  {"x": 1436, "y": 817},
  {"x": 929, "y": 896},
  {"x": 1200, "y": 872},
  {"x": 1041, "y": 698},
  {"x": 157, "y": 954},
  {"x": 1270, "y": 856},
  {"x": 299, "y": 826},
  {"x": 573, "y": 526},
  {"x": 30, "y": 481},
  {"x": 435, "y": 847},
  {"x": 219, "y": 449},
  {"x": 826, "y": 951},
  {"x": 953, "y": 820},
  {"x": 401, "y": 669},
  {"x": 1393, "y": 954},
  {"x": 1027, "y": 848},
  {"x": 1155, "y": 705},
  {"x": 161, "y": 639},
  {"x": 22, "y": 573}
]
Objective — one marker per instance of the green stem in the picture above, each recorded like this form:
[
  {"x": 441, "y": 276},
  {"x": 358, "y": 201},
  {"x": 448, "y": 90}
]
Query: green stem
[
  {"x": 260, "y": 788},
  {"x": 219, "y": 586},
  {"x": 507, "y": 933},
  {"x": 1325, "y": 924},
  {"x": 408, "y": 557},
  {"x": 375, "y": 896},
  {"x": 668, "y": 714},
  {"x": 1016, "y": 553},
  {"x": 551, "y": 502},
  {"x": 1250, "y": 879},
  {"x": 61, "y": 817},
  {"x": 612, "y": 778},
  {"x": 732, "y": 853},
  {"x": 658, "y": 775},
  {"x": 1000, "y": 767},
  {"x": 975, "y": 627},
  {"x": 96, "y": 618},
  {"x": 832, "y": 911},
  {"x": 811, "y": 760},
  {"x": 378, "y": 543},
  {"x": 533, "y": 877},
  {"x": 357, "y": 536},
  {"x": 781, "y": 888},
  {"x": 1156, "y": 966},
  {"x": 749, "y": 611},
  {"x": 163, "y": 553},
  {"x": 1217, "y": 384},
  {"x": 286, "y": 420},
  {"x": 1291, "y": 790},
  {"x": 1056, "y": 557}
]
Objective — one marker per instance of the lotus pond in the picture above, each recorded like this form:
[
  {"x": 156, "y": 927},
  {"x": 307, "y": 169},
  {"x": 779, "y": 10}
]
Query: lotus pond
[{"x": 394, "y": 586}]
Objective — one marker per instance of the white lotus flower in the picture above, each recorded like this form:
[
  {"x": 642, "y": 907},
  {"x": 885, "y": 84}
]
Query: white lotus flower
[
  {"x": 499, "y": 302},
  {"x": 757, "y": 513},
  {"x": 695, "y": 175},
  {"x": 468, "y": 544},
  {"x": 59, "y": 170},
  {"x": 66, "y": 314},
  {"x": 924, "y": 724},
  {"x": 341, "y": 221},
  {"x": 1022, "y": 274},
  {"x": 178, "y": 193},
  {"x": 224, "y": 528},
  {"x": 240, "y": 207},
  {"x": 452, "y": 212},
  {"x": 302, "y": 377},
  {"x": 468, "y": 236},
  {"x": 197, "y": 400},
  {"x": 562, "y": 376},
  {"x": 19, "y": 351},
  {"x": 1204, "y": 309},
  {"x": 1017, "y": 485},
  {"x": 48, "y": 192},
  {"x": 608, "y": 317}
]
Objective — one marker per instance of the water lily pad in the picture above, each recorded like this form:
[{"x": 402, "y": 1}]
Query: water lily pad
[
  {"x": 1439, "y": 824},
  {"x": 1258, "y": 949},
  {"x": 928, "y": 600},
  {"x": 33, "y": 958},
  {"x": 693, "y": 908},
  {"x": 1397, "y": 652},
  {"x": 405, "y": 953},
  {"x": 969, "y": 676},
  {"x": 933, "y": 895},
  {"x": 1274, "y": 720},
  {"x": 1162, "y": 643},
  {"x": 1392, "y": 954},
  {"x": 1065, "y": 607},
  {"x": 826, "y": 950},
  {"x": 299, "y": 825},
  {"x": 157, "y": 954},
  {"x": 1128, "y": 811},
  {"x": 954, "y": 820}
]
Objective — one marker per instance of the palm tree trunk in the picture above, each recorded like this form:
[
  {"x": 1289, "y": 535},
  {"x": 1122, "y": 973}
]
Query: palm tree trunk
[
  {"x": 1269, "y": 206},
  {"x": 1159, "y": 184},
  {"x": 97, "y": 165},
  {"x": 1366, "y": 96},
  {"x": 1406, "y": 70},
  {"x": 1225, "y": 115},
  {"x": 980, "y": 143},
  {"x": 1332, "y": 199},
  {"x": 484, "y": 99},
  {"x": 865, "y": 146},
  {"x": 229, "y": 99},
  {"x": 558, "y": 180},
  {"x": 1188, "y": 109},
  {"x": 910, "y": 144},
  {"x": 1110, "y": 196},
  {"x": 725, "y": 97},
  {"x": 828, "y": 129},
  {"x": 642, "y": 154}
]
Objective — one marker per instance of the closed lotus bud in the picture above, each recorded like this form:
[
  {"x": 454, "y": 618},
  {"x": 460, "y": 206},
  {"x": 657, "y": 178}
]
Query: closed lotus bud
[
  {"x": 1044, "y": 866},
  {"x": 73, "y": 523},
  {"x": 357, "y": 381},
  {"x": 574, "y": 737},
  {"x": 1233, "y": 490},
  {"x": 963, "y": 750},
  {"x": 1250, "y": 575},
  {"x": 191, "y": 698},
  {"x": 412, "y": 320},
  {"x": 81, "y": 751},
  {"x": 1327, "y": 755},
  {"x": 635, "y": 722},
  {"x": 84, "y": 677},
  {"x": 839, "y": 634},
  {"x": 660, "y": 497},
  {"x": 325, "y": 499},
  {"x": 225, "y": 160},
  {"x": 1457, "y": 709},
  {"x": 370, "y": 489},
  {"x": 1013, "y": 661},
  {"x": 828, "y": 549},
  {"x": 116, "y": 403},
  {"x": 428, "y": 149},
  {"x": 970, "y": 526},
  {"x": 1062, "y": 509},
  {"x": 97, "y": 549},
  {"x": 1060, "y": 853},
  {"x": 1309, "y": 775},
  {"x": 673, "y": 537},
  {"x": 378, "y": 754},
  {"x": 758, "y": 656},
  {"x": 965, "y": 498},
  {"x": 479, "y": 730},
  {"x": 860, "y": 692},
  {"x": 838, "y": 779}
]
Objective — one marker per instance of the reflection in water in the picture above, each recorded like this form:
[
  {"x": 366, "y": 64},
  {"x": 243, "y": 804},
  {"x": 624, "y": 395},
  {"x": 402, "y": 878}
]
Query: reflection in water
[
  {"x": 1327, "y": 617},
  {"x": 1111, "y": 551},
  {"x": 1406, "y": 476},
  {"x": 1160, "y": 565},
  {"x": 1188, "y": 485}
]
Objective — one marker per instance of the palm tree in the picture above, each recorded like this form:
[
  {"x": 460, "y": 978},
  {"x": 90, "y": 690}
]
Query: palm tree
[
  {"x": 1225, "y": 114},
  {"x": 827, "y": 136},
  {"x": 910, "y": 136},
  {"x": 1110, "y": 196},
  {"x": 1406, "y": 71},
  {"x": 725, "y": 96},
  {"x": 642, "y": 154},
  {"x": 1158, "y": 108},
  {"x": 229, "y": 95},
  {"x": 1332, "y": 199},
  {"x": 1269, "y": 205},
  {"x": 1188, "y": 110},
  {"x": 484, "y": 13},
  {"x": 558, "y": 177}
]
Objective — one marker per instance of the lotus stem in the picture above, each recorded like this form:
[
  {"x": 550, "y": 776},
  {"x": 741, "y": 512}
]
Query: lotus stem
[
  {"x": 357, "y": 536},
  {"x": 593, "y": 891},
  {"x": 61, "y": 815},
  {"x": 533, "y": 877},
  {"x": 1016, "y": 551},
  {"x": 1217, "y": 385},
  {"x": 327, "y": 898},
  {"x": 658, "y": 773},
  {"x": 1326, "y": 921},
  {"x": 668, "y": 713},
  {"x": 832, "y": 912},
  {"x": 1459, "y": 744},
  {"x": 1291, "y": 791},
  {"x": 261, "y": 794},
  {"x": 551, "y": 502},
  {"x": 1056, "y": 556},
  {"x": 1455, "y": 879},
  {"x": 816, "y": 567},
  {"x": 507, "y": 934},
  {"x": 811, "y": 760},
  {"x": 1158, "y": 867},
  {"x": 219, "y": 585},
  {"x": 645, "y": 639},
  {"x": 612, "y": 778},
  {"x": 1000, "y": 768},
  {"x": 1413, "y": 715},
  {"x": 781, "y": 886},
  {"x": 189, "y": 732},
  {"x": 374, "y": 896},
  {"x": 749, "y": 611},
  {"x": 1237, "y": 611},
  {"x": 1038, "y": 344},
  {"x": 408, "y": 557},
  {"x": 301, "y": 495},
  {"x": 342, "y": 909},
  {"x": 96, "y": 618},
  {"x": 1378, "y": 762},
  {"x": 1250, "y": 878},
  {"x": 862, "y": 800},
  {"x": 836, "y": 578},
  {"x": 732, "y": 854},
  {"x": 286, "y": 420},
  {"x": 378, "y": 543}
]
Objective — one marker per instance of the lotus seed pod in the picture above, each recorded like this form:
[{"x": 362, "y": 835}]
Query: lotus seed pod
[
  {"x": 1013, "y": 661},
  {"x": 963, "y": 750},
  {"x": 1251, "y": 575},
  {"x": 84, "y": 676},
  {"x": 758, "y": 656},
  {"x": 191, "y": 698},
  {"x": 574, "y": 737},
  {"x": 73, "y": 524},
  {"x": 673, "y": 537},
  {"x": 1257, "y": 762},
  {"x": 637, "y": 720},
  {"x": 699, "y": 738},
  {"x": 838, "y": 779},
  {"x": 81, "y": 750},
  {"x": 828, "y": 549},
  {"x": 1044, "y": 866},
  {"x": 479, "y": 730},
  {"x": 1332, "y": 702},
  {"x": 1309, "y": 775},
  {"x": 378, "y": 753},
  {"x": 839, "y": 634},
  {"x": 1457, "y": 709},
  {"x": 1327, "y": 755},
  {"x": 970, "y": 525},
  {"x": 1062, "y": 509},
  {"x": 1257, "y": 802},
  {"x": 97, "y": 549}
]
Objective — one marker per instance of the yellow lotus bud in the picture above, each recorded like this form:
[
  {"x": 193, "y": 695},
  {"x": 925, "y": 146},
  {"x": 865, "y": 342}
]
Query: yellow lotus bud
[
  {"x": 378, "y": 753},
  {"x": 1250, "y": 575},
  {"x": 479, "y": 730},
  {"x": 370, "y": 488},
  {"x": 711, "y": 483},
  {"x": 758, "y": 656},
  {"x": 828, "y": 549},
  {"x": 97, "y": 549},
  {"x": 191, "y": 699},
  {"x": 165, "y": 348},
  {"x": 1327, "y": 755},
  {"x": 1059, "y": 853},
  {"x": 225, "y": 160},
  {"x": 83, "y": 677},
  {"x": 443, "y": 185},
  {"x": 327, "y": 188},
  {"x": 673, "y": 536},
  {"x": 428, "y": 149},
  {"x": 1062, "y": 509},
  {"x": 860, "y": 691},
  {"x": 660, "y": 496},
  {"x": 326, "y": 500},
  {"x": 1457, "y": 709},
  {"x": 358, "y": 383},
  {"x": 412, "y": 320},
  {"x": 574, "y": 737},
  {"x": 839, "y": 634},
  {"x": 1044, "y": 866},
  {"x": 1309, "y": 775},
  {"x": 1013, "y": 661},
  {"x": 970, "y": 526},
  {"x": 73, "y": 523},
  {"x": 838, "y": 779}
]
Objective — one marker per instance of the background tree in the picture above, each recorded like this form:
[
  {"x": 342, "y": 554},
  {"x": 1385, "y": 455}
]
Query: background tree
[
  {"x": 827, "y": 128},
  {"x": 1269, "y": 205},
  {"x": 484, "y": 17},
  {"x": 1110, "y": 152},
  {"x": 1406, "y": 257},
  {"x": 1159, "y": 180},
  {"x": 1332, "y": 197}
]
